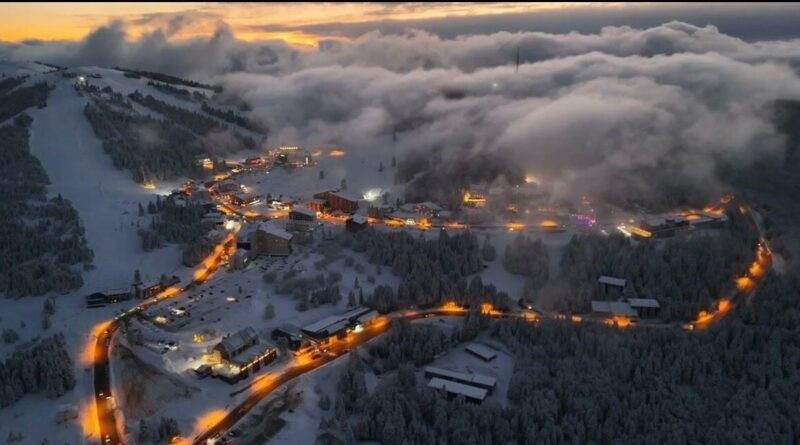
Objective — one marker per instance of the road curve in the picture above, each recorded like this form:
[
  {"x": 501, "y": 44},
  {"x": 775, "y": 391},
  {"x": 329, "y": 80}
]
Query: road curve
[
  {"x": 260, "y": 391},
  {"x": 102, "y": 378},
  {"x": 102, "y": 371}
]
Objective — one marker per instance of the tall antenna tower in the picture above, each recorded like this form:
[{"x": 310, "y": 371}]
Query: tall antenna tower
[{"x": 517, "y": 70}]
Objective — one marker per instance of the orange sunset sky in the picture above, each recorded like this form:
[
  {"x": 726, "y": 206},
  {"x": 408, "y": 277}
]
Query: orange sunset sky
[{"x": 249, "y": 21}]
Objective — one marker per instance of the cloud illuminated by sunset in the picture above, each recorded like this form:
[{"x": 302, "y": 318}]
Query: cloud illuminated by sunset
[{"x": 250, "y": 22}]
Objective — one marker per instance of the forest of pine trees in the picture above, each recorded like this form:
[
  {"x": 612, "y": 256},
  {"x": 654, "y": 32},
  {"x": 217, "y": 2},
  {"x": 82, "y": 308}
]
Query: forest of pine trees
[
  {"x": 9, "y": 83},
  {"x": 233, "y": 117},
  {"x": 166, "y": 78},
  {"x": 156, "y": 149},
  {"x": 180, "y": 93},
  {"x": 158, "y": 431},
  {"x": 42, "y": 239},
  {"x": 195, "y": 122},
  {"x": 432, "y": 271},
  {"x": 148, "y": 147},
  {"x": 589, "y": 383},
  {"x": 524, "y": 256},
  {"x": 309, "y": 291},
  {"x": 179, "y": 222},
  {"x": 45, "y": 368},
  {"x": 685, "y": 274},
  {"x": 15, "y": 101}
]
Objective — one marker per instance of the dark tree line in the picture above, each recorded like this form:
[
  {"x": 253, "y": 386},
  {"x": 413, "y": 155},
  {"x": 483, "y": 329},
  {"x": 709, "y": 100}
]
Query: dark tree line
[
  {"x": 149, "y": 148},
  {"x": 160, "y": 431},
  {"x": 408, "y": 343},
  {"x": 432, "y": 271},
  {"x": 197, "y": 123},
  {"x": 45, "y": 368},
  {"x": 234, "y": 118},
  {"x": 431, "y": 178},
  {"x": 42, "y": 240},
  {"x": 401, "y": 410},
  {"x": 528, "y": 257},
  {"x": 9, "y": 83},
  {"x": 179, "y": 222},
  {"x": 180, "y": 93},
  {"x": 107, "y": 95},
  {"x": 20, "y": 99},
  {"x": 736, "y": 383},
  {"x": 166, "y": 78},
  {"x": 309, "y": 291},
  {"x": 771, "y": 185}
]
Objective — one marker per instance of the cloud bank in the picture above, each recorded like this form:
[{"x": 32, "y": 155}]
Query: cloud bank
[{"x": 631, "y": 112}]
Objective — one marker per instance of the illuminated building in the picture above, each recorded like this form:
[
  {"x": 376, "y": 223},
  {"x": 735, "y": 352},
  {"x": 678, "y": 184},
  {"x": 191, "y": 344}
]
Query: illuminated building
[
  {"x": 337, "y": 325},
  {"x": 338, "y": 201},
  {"x": 317, "y": 205},
  {"x": 301, "y": 219},
  {"x": 228, "y": 188},
  {"x": 100, "y": 299},
  {"x": 474, "y": 196},
  {"x": 661, "y": 227},
  {"x": 239, "y": 355},
  {"x": 664, "y": 226},
  {"x": 612, "y": 309}
]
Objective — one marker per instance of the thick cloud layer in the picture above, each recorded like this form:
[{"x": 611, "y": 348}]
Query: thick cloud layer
[{"x": 623, "y": 112}]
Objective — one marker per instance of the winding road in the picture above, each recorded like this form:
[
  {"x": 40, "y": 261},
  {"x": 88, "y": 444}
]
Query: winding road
[
  {"x": 306, "y": 362},
  {"x": 102, "y": 371}
]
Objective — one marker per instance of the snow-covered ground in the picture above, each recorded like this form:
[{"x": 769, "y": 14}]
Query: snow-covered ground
[
  {"x": 361, "y": 175},
  {"x": 105, "y": 198},
  {"x": 107, "y": 202}
]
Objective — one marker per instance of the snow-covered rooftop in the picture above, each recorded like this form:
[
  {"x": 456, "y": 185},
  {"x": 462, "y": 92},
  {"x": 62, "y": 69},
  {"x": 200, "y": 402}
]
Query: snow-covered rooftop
[
  {"x": 359, "y": 219},
  {"x": 620, "y": 282},
  {"x": 333, "y": 323},
  {"x": 643, "y": 302},
  {"x": 272, "y": 229},
  {"x": 614, "y": 308},
  {"x": 472, "y": 392},
  {"x": 304, "y": 211},
  {"x": 481, "y": 351},
  {"x": 474, "y": 379},
  {"x": 269, "y": 228},
  {"x": 236, "y": 343}
]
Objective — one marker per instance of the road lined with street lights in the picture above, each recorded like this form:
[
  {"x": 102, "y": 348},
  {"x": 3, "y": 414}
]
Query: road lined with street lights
[
  {"x": 104, "y": 402},
  {"x": 105, "y": 406}
]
